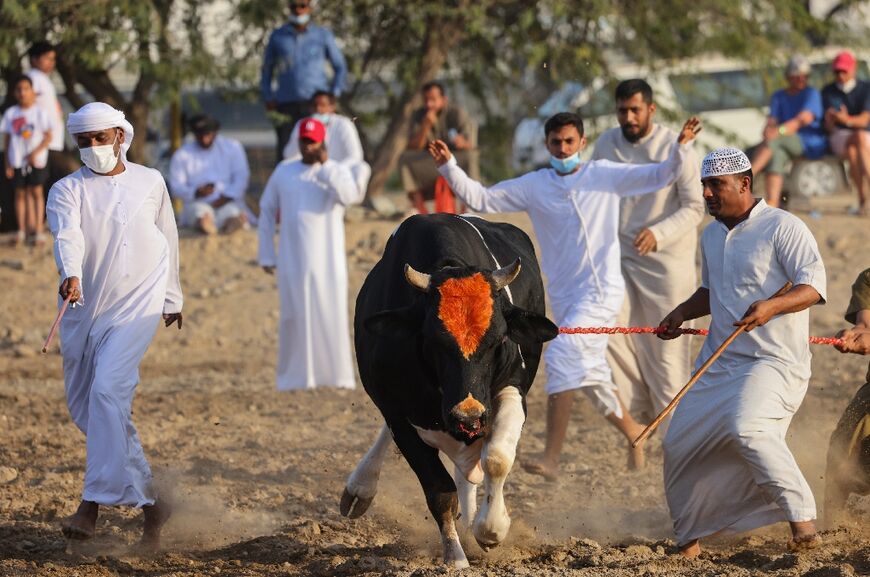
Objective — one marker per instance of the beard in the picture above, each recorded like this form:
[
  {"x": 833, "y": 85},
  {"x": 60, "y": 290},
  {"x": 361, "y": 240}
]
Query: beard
[{"x": 633, "y": 135}]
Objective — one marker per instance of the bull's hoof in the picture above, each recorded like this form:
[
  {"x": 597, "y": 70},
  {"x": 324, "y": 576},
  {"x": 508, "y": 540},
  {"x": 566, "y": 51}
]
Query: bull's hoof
[
  {"x": 353, "y": 506},
  {"x": 491, "y": 536},
  {"x": 487, "y": 545}
]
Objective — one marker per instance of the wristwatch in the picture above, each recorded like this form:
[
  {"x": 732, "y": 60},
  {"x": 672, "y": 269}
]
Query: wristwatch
[{"x": 781, "y": 129}]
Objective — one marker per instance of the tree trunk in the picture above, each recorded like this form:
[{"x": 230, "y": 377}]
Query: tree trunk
[{"x": 440, "y": 37}]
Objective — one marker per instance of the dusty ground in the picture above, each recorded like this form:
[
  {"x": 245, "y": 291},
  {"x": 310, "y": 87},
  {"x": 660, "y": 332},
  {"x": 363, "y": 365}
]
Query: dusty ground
[{"x": 257, "y": 475}]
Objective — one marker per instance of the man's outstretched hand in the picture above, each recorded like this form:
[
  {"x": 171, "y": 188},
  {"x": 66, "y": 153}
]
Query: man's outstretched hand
[
  {"x": 170, "y": 318},
  {"x": 690, "y": 130},
  {"x": 439, "y": 151}
]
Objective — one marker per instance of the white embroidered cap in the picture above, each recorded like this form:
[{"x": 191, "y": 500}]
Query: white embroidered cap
[{"x": 725, "y": 160}]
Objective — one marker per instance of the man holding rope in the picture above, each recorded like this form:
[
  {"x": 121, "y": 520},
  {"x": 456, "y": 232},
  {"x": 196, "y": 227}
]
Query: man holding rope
[
  {"x": 848, "y": 468},
  {"x": 574, "y": 208},
  {"x": 658, "y": 237},
  {"x": 727, "y": 466},
  {"x": 116, "y": 247}
]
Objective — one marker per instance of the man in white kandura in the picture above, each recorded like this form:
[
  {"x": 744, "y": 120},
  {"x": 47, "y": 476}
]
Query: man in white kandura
[
  {"x": 116, "y": 248},
  {"x": 210, "y": 174},
  {"x": 658, "y": 233},
  {"x": 727, "y": 466},
  {"x": 574, "y": 208},
  {"x": 310, "y": 195},
  {"x": 342, "y": 139}
]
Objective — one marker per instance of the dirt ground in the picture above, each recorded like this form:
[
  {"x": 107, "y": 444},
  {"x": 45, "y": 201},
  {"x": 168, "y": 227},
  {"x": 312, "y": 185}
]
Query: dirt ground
[{"x": 257, "y": 474}]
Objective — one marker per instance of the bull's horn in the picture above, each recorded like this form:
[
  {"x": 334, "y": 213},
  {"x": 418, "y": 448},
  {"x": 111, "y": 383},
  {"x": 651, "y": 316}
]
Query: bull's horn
[
  {"x": 416, "y": 279},
  {"x": 506, "y": 275}
]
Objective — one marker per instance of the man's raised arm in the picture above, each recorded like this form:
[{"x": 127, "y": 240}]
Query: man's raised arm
[{"x": 506, "y": 196}]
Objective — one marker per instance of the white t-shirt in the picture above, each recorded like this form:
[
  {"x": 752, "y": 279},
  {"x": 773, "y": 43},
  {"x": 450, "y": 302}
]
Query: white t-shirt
[
  {"x": 26, "y": 128},
  {"x": 46, "y": 98}
]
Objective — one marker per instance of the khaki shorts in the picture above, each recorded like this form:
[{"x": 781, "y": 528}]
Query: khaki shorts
[{"x": 839, "y": 138}]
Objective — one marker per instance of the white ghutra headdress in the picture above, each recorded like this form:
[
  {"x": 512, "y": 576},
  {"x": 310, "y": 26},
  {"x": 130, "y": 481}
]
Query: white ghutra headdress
[{"x": 723, "y": 161}]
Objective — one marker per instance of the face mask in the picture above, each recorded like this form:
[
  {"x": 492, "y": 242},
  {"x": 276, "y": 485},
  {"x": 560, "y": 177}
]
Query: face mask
[
  {"x": 566, "y": 165},
  {"x": 323, "y": 118},
  {"x": 100, "y": 159},
  {"x": 301, "y": 20}
]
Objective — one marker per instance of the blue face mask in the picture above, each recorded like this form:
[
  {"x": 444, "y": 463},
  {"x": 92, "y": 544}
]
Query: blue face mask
[
  {"x": 566, "y": 165},
  {"x": 323, "y": 118},
  {"x": 301, "y": 20}
]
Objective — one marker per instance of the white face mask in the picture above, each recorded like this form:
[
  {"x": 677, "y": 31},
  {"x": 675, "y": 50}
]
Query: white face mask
[{"x": 100, "y": 159}]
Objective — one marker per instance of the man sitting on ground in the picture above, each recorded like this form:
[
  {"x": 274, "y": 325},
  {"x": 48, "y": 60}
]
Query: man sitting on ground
[
  {"x": 794, "y": 129},
  {"x": 437, "y": 120},
  {"x": 210, "y": 174}
]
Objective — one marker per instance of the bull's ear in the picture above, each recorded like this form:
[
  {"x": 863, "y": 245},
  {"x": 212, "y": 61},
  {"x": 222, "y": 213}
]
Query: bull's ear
[
  {"x": 395, "y": 323},
  {"x": 528, "y": 328}
]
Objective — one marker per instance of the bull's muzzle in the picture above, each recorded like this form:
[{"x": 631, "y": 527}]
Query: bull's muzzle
[{"x": 469, "y": 413}]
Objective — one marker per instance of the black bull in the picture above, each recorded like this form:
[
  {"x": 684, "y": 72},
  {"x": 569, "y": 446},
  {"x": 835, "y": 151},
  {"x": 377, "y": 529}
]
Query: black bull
[{"x": 439, "y": 334}]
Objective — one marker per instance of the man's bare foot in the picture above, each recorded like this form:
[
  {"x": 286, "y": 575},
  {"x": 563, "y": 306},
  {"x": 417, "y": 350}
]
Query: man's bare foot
[
  {"x": 82, "y": 524},
  {"x": 156, "y": 516},
  {"x": 803, "y": 536},
  {"x": 542, "y": 466},
  {"x": 233, "y": 224},
  {"x": 207, "y": 225},
  {"x": 691, "y": 549}
]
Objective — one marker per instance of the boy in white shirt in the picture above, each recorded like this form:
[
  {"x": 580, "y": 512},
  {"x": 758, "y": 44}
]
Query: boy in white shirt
[{"x": 27, "y": 134}]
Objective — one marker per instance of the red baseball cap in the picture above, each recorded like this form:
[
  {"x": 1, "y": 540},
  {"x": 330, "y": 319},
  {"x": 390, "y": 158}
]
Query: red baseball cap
[
  {"x": 845, "y": 60},
  {"x": 312, "y": 129}
]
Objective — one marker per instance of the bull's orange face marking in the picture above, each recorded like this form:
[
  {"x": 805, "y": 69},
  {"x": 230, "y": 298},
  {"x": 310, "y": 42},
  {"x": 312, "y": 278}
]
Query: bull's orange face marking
[{"x": 466, "y": 310}]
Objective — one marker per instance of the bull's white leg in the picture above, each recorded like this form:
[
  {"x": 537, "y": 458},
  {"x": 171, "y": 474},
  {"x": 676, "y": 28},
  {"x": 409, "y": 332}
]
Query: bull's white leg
[
  {"x": 454, "y": 555},
  {"x": 492, "y": 522},
  {"x": 362, "y": 484},
  {"x": 467, "y": 492}
]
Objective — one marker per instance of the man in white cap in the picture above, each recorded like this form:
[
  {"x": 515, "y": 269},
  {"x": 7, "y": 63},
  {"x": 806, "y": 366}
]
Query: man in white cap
[
  {"x": 658, "y": 234},
  {"x": 727, "y": 466},
  {"x": 313, "y": 330},
  {"x": 116, "y": 247},
  {"x": 574, "y": 207}
]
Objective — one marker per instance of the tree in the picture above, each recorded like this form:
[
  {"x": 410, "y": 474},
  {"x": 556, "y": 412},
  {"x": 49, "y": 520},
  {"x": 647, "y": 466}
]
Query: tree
[
  {"x": 105, "y": 41},
  {"x": 509, "y": 53}
]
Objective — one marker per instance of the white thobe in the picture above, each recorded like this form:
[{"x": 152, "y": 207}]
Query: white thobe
[
  {"x": 343, "y": 146},
  {"x": 650, "y": 371},
  {"x": 727, "y": 465},
  {"x": 313, "y": 334},
  {"x": 575, "y": 218},
  {"x": 223, "y": 164},
  {"x": 116, "y": 234},
  {"x": 46, "y": 99}
]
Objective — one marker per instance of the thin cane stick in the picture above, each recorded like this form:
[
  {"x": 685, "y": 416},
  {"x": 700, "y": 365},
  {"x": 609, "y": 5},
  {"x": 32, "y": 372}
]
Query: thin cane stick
[
  {"x": 667, "y": 410},
  {"x": 56, "y": 324}
]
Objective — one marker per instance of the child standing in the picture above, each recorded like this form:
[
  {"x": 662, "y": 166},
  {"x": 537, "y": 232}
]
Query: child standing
[{"x": 26, "y": 132}]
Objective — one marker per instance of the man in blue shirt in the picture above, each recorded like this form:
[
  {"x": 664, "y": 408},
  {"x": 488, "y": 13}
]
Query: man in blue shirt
[
  {"x": 794, "y": 129},
  {"x": 847, "y": 119},
  {"x": 294, "y": 58}
]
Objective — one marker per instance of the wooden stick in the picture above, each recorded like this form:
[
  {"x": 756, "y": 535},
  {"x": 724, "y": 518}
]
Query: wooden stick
[
  {"x": 667, "y": 410},
  {"x": 56, "y": 324}
]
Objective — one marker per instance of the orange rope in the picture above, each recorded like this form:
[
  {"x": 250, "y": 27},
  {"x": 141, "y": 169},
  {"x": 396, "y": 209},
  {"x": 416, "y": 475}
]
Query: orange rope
[{"x": 654, "y": 330}]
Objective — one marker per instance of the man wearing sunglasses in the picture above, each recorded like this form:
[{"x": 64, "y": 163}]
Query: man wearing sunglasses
[
  {"x": 295, "y": 60},
  {"x": 846, "y": 102}
]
